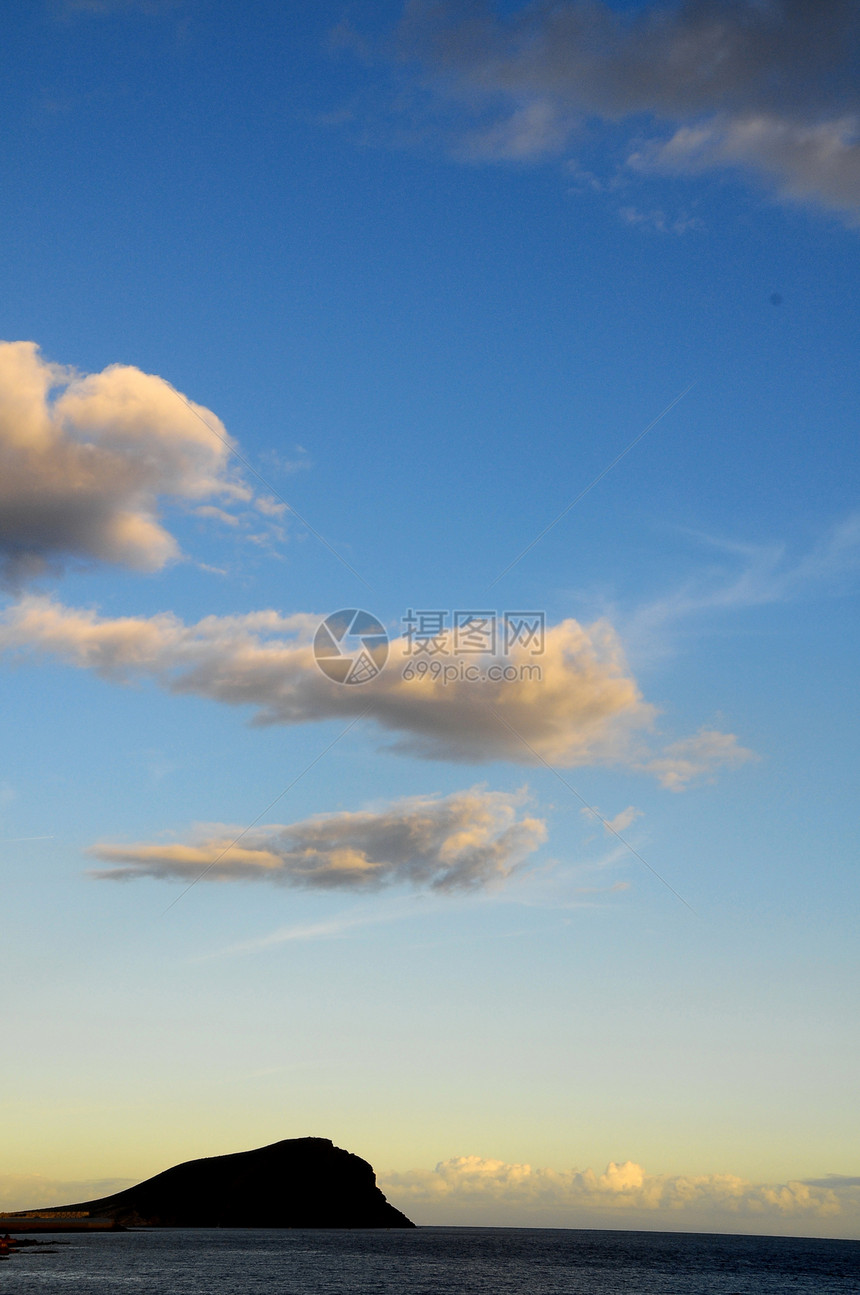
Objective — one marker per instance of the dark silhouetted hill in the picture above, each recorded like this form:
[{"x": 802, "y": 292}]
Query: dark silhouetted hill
[{"x": 297, "y": 1183}]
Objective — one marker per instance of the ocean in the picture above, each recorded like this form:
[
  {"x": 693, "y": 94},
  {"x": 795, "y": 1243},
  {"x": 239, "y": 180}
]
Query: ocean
[{"x": 434, "y": 1261}]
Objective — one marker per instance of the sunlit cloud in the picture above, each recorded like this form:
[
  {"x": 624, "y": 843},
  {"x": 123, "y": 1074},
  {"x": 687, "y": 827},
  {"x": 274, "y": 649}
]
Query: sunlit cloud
[
  {"x": 88, "y": 460},
  {"x": 465, "y": 841},
  {"x": 576, "y": 704},
  {"x": 472, "y": 1189}
]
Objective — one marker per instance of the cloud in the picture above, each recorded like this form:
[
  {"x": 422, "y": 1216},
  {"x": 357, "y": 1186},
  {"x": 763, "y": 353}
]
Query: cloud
[
  {"x": 86, "y": 459},
  {"x": 749, "y": 575},
  {"x": 212, "y": 513},
  {"x": 34, "y": 1191},
  {"x": 576, "y": 704},
  {"x": 465, "y": 841},
  {"x": 472, "y": 1189},
  {"x": 270, "y": 507},
  {"x": 769, "y": 87},
  {"x": 328, "y": 929},
  {"x": 278, "y": 462},
  {"x": 820, "y": 161},
  {"x": 694, "y": 757},
  {"x": 659, "y": 221},
  {"x": 619, "y": 823}
]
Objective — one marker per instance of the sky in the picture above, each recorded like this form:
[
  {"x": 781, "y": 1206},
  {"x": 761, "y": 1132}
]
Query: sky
[{"x": 530, "y": 332}]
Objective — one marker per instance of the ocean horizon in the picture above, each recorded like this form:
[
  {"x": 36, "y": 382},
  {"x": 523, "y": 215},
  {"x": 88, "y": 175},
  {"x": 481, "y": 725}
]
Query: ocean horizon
[{"x": 431, "y": 1260}]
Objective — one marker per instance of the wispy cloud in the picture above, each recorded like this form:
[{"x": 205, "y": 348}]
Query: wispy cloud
[
  {"x": 743, "y": 575},
  {"x": 576, "y": 704},
  {"x": 332, "y": 928},
  {"x": 657, "y": 220},
  {"x": 18, "y": 840},
  {"x": 619, "y": 823},
  {"x": 462, "y": 842},
  {"x": 276, "y": 462},
  {"x": 693, "y": 758}
]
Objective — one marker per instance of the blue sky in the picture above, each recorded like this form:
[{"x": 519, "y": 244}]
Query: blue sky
[{"x": 433, "y": 269}]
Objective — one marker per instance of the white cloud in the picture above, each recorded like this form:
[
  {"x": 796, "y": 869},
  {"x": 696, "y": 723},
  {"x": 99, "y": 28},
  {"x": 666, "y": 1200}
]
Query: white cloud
[
  {"x": 465, "y": 841},
  {"x": 576, "y": 704},
  {"x": 87, "y": 459},
  {"x": 474, "y": 1189}
]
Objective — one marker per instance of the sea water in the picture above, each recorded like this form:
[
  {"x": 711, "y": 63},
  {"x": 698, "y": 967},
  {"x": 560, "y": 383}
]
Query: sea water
[{"x": 433, "y": 1261}]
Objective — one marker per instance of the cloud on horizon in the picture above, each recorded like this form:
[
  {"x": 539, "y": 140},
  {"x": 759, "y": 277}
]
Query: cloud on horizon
[
  {"x": 473, "y": 1189},
  {"x": 35, "y": 1191},
  {"x": 584, "y": 709},
  {"x": 767, "y": 88},
  {"x": 465, "y": 841},
  {"x": 87, "y": 459}
]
